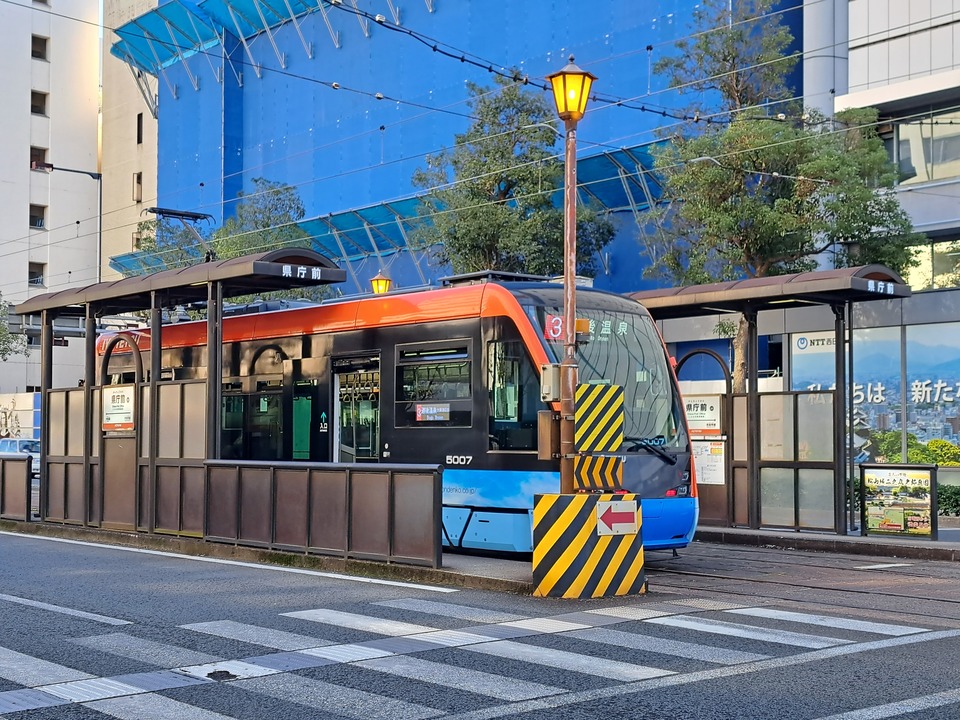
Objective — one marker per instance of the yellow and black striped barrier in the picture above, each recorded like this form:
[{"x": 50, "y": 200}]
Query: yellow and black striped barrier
[
  {"x": 598, "y": 430},
  {"x": 598, "y": 418},
  {"x": 587, "y": 545}
]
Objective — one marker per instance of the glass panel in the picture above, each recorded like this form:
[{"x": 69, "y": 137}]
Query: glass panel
[
  {"x": 740, "y": 429},
  {"x": 434, "y": 395},
  {"x": 514, "y": 397},
  {"x": 815, "y": 427},
  {"x": 776, "y": 427},
  {"x": 231, "y": 426},
  {"x": 776, "y": 496},
  {"x": 194, "y": 420},
  {"x": 265, "y": 437},
  {"x": 816, "y": 488}
]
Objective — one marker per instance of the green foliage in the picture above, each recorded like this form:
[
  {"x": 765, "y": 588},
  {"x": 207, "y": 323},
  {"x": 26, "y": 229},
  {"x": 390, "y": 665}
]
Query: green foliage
[
  {"x": 488, "y": 201},
  {"x": 738, "y": 53},
  {"x": 768, "y": 194},
  {"x": 171, "y": 242},
  {"x": 10, "y": 343},
  {"x": 943, "y": 452},
  {"x": 948, "y": 499},
  {"x": 265, "y": 219}
]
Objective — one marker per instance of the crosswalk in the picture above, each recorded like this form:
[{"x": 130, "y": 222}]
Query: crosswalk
[{"x": 415, "y": 658}]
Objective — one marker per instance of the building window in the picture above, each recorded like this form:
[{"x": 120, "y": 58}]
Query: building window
[
  {"x": 136, "y": 237},
  {"x": 38, "y": 103},
  {"x": 35, "y": 274},
  {"x": 138, "y": 187},
  {"x": 38, "y": 157},
  {"x": 38, "y": 47},
  {"x": 139, "y": 128},
  {"x": 38, "y": 216}
]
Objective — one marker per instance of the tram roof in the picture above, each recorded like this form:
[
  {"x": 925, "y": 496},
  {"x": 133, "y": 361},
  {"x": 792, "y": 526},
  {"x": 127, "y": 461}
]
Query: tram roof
[
  {"x": 282, "y": 269},
  {"x": 820, "y": 287}
]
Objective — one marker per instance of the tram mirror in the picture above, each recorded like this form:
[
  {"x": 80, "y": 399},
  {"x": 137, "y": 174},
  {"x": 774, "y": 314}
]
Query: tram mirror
[{"x": 550, "y": 383}]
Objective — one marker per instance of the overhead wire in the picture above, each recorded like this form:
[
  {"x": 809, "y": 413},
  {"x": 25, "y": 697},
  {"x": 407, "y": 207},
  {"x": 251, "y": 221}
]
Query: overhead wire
[{"x": 430, "y": 109}]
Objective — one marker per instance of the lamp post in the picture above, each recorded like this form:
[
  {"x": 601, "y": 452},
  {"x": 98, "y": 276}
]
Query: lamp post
[
  {"x": 50, "y": 167},
  {"x": 571, "y": 89}
]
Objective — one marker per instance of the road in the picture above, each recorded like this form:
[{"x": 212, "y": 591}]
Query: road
[{"x": 90, "y": 631}]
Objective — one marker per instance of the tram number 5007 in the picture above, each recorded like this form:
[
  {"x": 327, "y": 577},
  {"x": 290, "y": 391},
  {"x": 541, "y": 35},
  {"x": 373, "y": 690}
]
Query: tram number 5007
[{"x": 459, "y": 459}]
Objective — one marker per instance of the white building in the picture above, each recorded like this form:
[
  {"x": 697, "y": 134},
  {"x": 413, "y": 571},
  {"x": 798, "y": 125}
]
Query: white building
[
  {"x": 904, "y": 59},
  {"x": 49, "y": 170}
]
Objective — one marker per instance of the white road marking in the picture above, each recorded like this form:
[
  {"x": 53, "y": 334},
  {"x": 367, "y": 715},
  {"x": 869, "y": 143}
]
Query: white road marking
[
  {"x": 675, "y": 648},
  {"x": 882, "y": 566},
  {"x": 94, "y": 689},
  {"x": 366, "y": 623},
  {"x": 255, "y": 635},
  {"x": 156, "y": 707},
  {"x": 30, "y": 671},
  {"x": 545, "y": 625},
  {"x": 830, "y": 621},
  {"x": 719, "y": 627},
  {"x": 461, "y": 612},
  {"x": 143, "y": 650},
  {"x": 571, "y": 699},
  {"x": 237, "y": 563},
  {"x": 630, "y": 612},
  {"x": 896, "y": 709},
  {"x": 63, "y": 610},
  {"x": 563, "y": 660},
  {"x": 346, "y": 653},
  {"x": 452, "y": 638},
  {"x": 481, "y": 683}
]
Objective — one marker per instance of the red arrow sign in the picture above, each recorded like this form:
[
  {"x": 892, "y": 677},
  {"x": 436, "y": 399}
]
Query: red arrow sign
[{"x": 611, "y": 517}]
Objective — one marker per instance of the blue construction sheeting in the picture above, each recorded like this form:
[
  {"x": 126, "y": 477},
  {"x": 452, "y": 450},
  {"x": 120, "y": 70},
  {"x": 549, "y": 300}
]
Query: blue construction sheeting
[{"x": 164, "y": 36}]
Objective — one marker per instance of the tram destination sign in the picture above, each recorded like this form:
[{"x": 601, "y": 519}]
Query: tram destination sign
[{"x": 433, "y": 412}]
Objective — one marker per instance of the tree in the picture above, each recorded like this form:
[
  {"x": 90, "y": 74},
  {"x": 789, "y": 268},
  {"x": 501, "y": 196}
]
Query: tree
[
  {"x": 489, "y": 201},
  {"x": 10, "y": 343},
  {"x": 170, "y": 242},
  {"x": 265, "y": 219},
  {"x": 767, "y": 194}
]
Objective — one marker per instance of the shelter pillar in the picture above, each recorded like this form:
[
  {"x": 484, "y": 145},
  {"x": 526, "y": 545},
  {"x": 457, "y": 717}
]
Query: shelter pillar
[
  {"x": 214, "y": 367},
  {"x": 753, "y": 419}
]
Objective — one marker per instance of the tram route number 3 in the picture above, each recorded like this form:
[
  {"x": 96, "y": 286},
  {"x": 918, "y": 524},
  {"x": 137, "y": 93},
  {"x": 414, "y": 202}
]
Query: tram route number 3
[{"x": 459, "y": 459}]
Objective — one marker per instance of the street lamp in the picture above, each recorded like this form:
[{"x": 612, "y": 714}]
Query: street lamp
[
  {"x": 50, "y": 167},
  {"x": 380, "y": 283},
  {"x": 571, "y": 90}
]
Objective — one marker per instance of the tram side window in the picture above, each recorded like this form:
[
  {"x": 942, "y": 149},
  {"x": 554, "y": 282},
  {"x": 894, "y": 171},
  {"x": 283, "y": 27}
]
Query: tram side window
[
  {"x": 514, "y": 390},
  {"x": 434, "y": 388}
]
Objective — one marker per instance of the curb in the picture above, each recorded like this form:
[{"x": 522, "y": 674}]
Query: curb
[
  {"x": 223, "y": 551},
  {"x": 858, "y": 546}
]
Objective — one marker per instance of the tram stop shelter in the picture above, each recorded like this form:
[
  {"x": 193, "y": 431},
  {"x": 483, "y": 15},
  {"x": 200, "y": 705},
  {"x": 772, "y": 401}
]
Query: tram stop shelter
[
  {"x": 144, "y": 455},
  {"x": 786, "y": 455}
]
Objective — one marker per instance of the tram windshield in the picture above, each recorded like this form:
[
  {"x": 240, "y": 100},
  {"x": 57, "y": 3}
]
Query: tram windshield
[{"x": 623, "y": 347}]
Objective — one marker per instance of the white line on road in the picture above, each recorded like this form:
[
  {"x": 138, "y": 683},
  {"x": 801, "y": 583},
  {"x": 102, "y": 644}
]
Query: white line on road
[
  {"x": 878, "y": 712},
  {"x": 882, "y": 566},
  {"x": 237, "y": 563},
  {"x": 63, "y": 610},
  {"x": 719, "y": 627},
  {"x": 641, "y": 686},
  {"x": 366, "y": 623},
  {"x": 136, "y": 707},
  {"x": 30, "y": 671},
  {"x": 830, "y": 621},
  {"x": 255, "y": 635}
]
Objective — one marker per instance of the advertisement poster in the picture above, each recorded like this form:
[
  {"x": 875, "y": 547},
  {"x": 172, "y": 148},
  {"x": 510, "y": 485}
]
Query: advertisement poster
[{"x": 899, "y": 500}]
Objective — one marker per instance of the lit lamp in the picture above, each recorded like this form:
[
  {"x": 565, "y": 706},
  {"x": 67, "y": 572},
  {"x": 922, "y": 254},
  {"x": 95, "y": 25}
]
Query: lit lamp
[
  {"x": 380, "y": 283},
  {"x": 571, "y": 90}
]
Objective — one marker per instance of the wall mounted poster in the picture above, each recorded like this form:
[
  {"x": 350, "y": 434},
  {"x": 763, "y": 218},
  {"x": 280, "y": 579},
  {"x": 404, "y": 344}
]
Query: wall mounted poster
[{"x": 899, "y": 500}]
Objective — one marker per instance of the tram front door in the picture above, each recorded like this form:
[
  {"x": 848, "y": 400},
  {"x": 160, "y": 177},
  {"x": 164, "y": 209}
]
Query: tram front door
[{"x": 356, "y": 393}]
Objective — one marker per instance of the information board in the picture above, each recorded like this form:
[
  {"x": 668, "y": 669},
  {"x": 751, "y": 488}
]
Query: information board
[
  {"x": 118, "y": 403},
  {"x": 899, "y": 500},
  {"x": 703, "y": 414},
  {"x": 708, "y": 459}
]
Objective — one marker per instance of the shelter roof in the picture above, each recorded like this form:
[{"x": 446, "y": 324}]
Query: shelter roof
[
  {"x": 272, "y": 270},
  {"x": 820, "y": 287}
]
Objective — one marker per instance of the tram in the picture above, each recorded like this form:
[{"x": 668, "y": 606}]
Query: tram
[{"x": 451, "y": 376}]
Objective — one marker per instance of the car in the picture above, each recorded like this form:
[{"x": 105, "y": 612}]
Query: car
[{"x": 26, "y": 446}]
